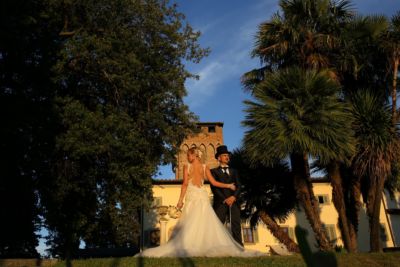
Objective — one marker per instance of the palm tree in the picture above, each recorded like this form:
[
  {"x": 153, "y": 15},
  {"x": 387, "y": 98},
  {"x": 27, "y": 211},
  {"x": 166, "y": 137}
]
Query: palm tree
[
  {"x": 377, "y": 148},
  {"x": 308, "y": 34},
  {"x": 360, "y": 63},
  {"x": 391, "y": 44},
  {"x": 298, "y": 114},
  {"x": 304, "y": 35},
  {"x": 268, "y": 195}
]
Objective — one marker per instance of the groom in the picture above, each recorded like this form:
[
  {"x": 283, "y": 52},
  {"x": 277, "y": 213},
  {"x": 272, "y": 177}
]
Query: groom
[{"x": 225, "y": 200}]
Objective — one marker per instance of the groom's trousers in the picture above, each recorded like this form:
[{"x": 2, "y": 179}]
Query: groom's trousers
[{"x": 222, "y": 212}]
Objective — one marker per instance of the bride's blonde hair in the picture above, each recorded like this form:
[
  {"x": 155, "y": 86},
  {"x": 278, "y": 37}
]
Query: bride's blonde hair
[{"x": 196, "y": 151}]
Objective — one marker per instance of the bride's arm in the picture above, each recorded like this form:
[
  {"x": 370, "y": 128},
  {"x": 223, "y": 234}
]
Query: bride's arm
[
  {"x": 183, "y": 187},
  {"x": 216, "y": 183}
]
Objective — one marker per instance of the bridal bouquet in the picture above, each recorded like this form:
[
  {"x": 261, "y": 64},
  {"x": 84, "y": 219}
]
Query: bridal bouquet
[{"x": 174, "y": 212}]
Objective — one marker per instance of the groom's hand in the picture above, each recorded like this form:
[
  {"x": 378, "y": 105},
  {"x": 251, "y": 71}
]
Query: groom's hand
[{"x": 230, "y": 200}]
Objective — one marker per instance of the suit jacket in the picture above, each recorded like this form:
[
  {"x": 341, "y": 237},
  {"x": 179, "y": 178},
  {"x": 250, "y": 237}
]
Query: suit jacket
[{"x": 220, "y": 194}]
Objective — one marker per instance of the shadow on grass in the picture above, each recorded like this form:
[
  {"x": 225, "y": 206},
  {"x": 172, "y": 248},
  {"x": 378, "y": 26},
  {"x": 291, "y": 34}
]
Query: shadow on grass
[
  {"x": 115, "y": 262},
  {"x": 139, "y": 262},
  {"x": 184, "y": 261},
  {"x": 313, "y": 259}
]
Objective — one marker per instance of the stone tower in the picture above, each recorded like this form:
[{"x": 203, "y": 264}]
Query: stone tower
[{"x": 209, "y": 138}]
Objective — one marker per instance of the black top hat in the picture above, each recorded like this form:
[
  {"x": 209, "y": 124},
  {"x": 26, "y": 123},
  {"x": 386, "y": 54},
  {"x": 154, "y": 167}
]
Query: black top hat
[{"x": 221, "y": 150}]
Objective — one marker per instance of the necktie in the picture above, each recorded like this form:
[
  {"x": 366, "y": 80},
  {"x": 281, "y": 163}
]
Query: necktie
[{"x": 224, "y": 169}]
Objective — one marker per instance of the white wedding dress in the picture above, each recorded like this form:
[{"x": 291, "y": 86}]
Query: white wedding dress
[{"x": 199, "y": 232}]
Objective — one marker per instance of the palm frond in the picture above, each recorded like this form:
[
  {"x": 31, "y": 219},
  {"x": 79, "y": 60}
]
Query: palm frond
[
  {"x": 298, "y": 111},
  {"x": 267, "y": 189},
  {"x": 377, "y": 138}
]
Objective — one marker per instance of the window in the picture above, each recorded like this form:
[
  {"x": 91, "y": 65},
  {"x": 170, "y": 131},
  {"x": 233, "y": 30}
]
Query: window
[
  {"x": 211, "y": 129},
  {"x": 323, "y": 199},
  {"x": 289, "y": 231},
  {"x": 157, "y": 202},
  {"x": 249, "y": 235}
]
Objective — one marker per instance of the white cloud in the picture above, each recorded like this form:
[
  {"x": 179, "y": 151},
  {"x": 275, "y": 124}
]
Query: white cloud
[
  {"x": 234, "y": 57},
  {"x": 206, "y": 85},
  {"x": 213, "y": 75}
]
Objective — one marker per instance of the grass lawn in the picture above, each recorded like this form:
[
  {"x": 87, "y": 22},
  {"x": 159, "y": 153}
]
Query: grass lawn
[{"x": 388, "y": 259}]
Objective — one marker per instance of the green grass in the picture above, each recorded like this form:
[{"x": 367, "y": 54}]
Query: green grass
[{"x": 324, "y": 260}]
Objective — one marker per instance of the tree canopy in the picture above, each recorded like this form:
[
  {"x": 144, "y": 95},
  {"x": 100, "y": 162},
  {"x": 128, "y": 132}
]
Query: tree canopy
[{"x": 105, "y": 99}]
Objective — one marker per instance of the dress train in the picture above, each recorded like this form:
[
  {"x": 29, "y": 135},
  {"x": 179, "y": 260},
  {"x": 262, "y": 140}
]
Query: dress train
[{"x": 199, "y": 232}]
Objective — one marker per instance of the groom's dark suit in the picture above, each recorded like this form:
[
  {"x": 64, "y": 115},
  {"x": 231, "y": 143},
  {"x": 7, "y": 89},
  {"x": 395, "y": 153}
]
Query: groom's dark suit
[{"x": 220, "y": 194}]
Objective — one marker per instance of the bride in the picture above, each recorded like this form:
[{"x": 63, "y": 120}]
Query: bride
[{"x": 199, "y": 232}]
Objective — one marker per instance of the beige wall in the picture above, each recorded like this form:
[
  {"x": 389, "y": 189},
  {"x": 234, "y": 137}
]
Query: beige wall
[{"x": 393, "y": 206}]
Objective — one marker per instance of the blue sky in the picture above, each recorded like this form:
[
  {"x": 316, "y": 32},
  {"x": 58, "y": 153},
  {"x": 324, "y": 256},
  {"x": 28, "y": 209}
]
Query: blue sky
[{"x": 228, "y": 27}]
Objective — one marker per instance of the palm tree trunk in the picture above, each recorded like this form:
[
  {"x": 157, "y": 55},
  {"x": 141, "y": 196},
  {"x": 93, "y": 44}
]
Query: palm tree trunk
[
  {"x": 373, "y": 210},
  {"x": 278, "y": 232},
  {"x": 340, "y": 205},
  {"x": 306, "y": 197},
  {"x": 354, "y": 206}
]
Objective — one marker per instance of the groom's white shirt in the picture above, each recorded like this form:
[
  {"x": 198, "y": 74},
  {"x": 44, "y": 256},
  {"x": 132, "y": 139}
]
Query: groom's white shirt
[{"x": 223, "y": 166}]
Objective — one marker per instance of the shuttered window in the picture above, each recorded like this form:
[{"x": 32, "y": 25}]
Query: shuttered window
[
  {"x": 331, "y": 231},
  {"x": 249, "y": 235},
  {"x": 323, "y": 199},
  {"x": 289, "y": 231}
]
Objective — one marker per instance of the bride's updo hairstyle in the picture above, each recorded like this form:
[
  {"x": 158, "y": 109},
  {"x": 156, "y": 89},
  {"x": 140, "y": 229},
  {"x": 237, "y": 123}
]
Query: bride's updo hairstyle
[{"x": 196, "y": 151}]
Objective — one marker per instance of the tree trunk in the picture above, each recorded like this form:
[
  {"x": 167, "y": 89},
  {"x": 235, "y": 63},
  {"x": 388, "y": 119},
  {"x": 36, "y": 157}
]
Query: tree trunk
[
  {"x": 340, "y": 205},
  {"x": 354, "y": 206},
  {"x": 278, "y": 232},
  {"x": 306, "y": 197},
  {"x": 373, "y": 210},
  {"x": 68, "y": 252}
]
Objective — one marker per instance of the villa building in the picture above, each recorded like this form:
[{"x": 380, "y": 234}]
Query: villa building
[{"x": 159, "y": 222}]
